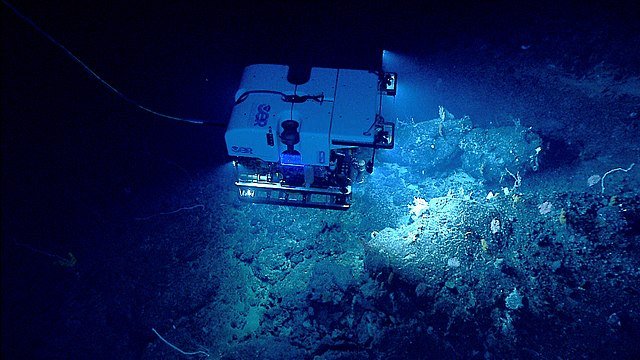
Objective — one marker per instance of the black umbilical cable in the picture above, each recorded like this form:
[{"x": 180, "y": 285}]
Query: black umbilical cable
[{"x": 101, "y": 80}]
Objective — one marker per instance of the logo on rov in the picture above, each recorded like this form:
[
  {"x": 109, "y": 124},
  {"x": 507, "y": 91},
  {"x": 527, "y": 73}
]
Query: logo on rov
[{"x": 263, "y": 115}]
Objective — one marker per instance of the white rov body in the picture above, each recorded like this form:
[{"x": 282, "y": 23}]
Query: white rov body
[{"x": 299, "y": 144}]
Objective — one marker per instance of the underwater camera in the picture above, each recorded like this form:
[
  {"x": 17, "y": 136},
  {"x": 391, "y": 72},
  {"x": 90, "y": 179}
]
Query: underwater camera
[{"x": 305, "y": 143}]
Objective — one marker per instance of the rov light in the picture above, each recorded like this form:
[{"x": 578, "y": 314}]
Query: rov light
[{"x": 389, "y": 84}]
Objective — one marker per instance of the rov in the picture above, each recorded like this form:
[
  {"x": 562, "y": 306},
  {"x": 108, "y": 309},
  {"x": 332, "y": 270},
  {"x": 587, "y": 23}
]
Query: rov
[{"x": 306, "y": 144}]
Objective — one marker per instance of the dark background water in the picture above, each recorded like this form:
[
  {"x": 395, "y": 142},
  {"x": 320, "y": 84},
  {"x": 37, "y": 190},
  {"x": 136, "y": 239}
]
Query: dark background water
[{"x": 76, "y": 158}]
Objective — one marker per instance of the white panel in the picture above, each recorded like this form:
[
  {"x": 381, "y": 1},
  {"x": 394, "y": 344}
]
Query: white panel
[
  {"x": 251, "y": 119},
  {"x": 265, "y": 77},
  {"x": 323, "y": 81},
  {"x": 315, "y": 120},
  {"x": 356, "y": 105},
  {"x": 347, "y": 112}
]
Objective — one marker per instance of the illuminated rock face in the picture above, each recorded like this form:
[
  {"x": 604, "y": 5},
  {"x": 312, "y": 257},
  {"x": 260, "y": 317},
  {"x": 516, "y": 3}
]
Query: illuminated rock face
[
  {"x": 437, "y": 146},
  {"x": 489, "y": 153},
  {"x": 423, "y": 250}
]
